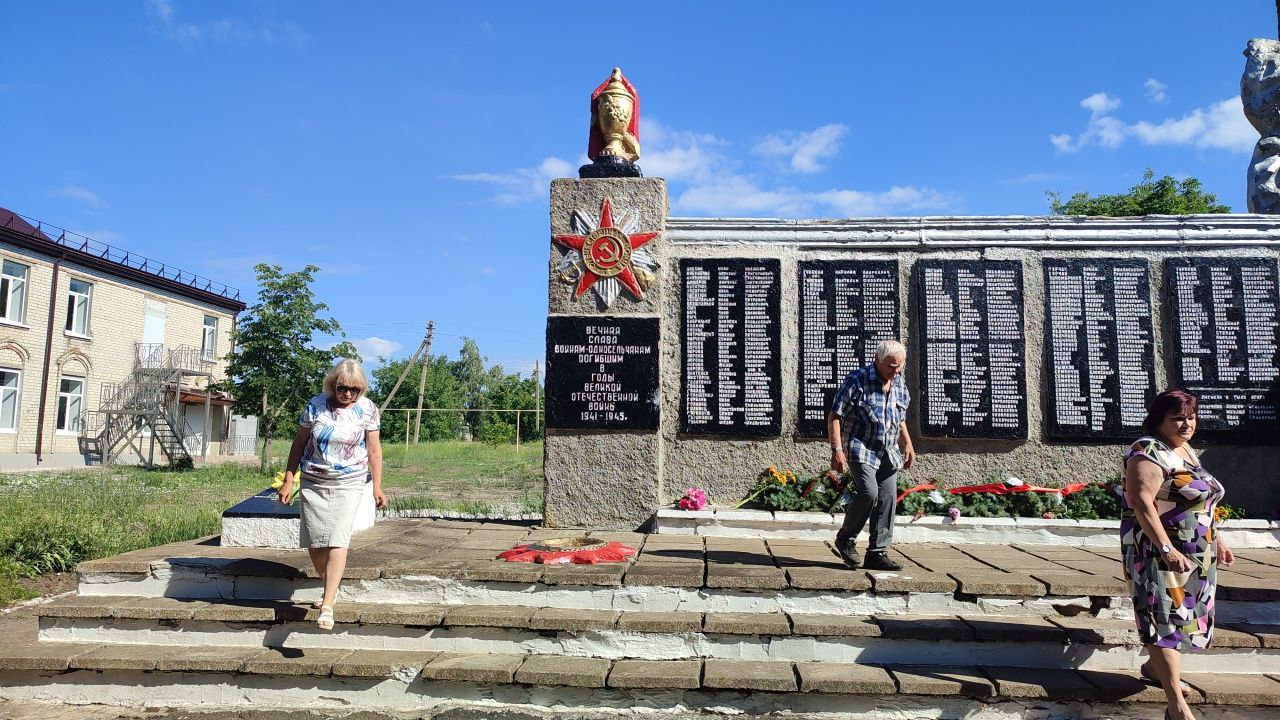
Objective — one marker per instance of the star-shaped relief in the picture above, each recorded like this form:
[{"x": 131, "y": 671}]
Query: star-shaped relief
[{"x": 607, "y": 257}]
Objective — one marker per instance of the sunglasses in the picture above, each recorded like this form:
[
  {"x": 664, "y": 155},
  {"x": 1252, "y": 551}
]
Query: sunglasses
[{"x": 348, "y": 389}]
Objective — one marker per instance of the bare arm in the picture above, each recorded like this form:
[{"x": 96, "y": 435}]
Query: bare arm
[
  {"x": 1142, "y": 480},
  {"x": 300, "y": 440},
  {"x": 373, "y": 441},
  {"x": 908, "y": 448},
  {"x": 838, "y": 461}
]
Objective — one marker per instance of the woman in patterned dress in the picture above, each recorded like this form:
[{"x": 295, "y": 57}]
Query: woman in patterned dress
[
  {"x": 335, "y": 452},
  {"x": 1171, "y": 544}
]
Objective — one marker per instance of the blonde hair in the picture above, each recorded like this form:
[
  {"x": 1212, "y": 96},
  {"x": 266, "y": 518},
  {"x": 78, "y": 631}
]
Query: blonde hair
[{"x": 346, "y": 372}]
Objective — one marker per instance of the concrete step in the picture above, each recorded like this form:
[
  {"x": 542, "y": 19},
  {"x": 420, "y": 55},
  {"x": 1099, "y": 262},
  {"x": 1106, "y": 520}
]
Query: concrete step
[
  {"x": 186, "y": 676},
  {"x": 1082, "y": 642}
]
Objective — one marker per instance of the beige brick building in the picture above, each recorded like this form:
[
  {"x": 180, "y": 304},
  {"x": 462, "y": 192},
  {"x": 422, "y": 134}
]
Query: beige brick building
[{"x": 101, "y": 347}]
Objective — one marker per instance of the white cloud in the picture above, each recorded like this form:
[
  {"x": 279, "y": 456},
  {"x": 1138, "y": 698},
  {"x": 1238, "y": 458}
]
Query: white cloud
[
  {"x": 374, "y": 347},
  {"x": 676, "y": 155},
  {"x": 220, "y": 31},
  {"x": 1220, "y": 126},
  {"x": 1156, "y": 90},
  {"x": 83, "y": 194},
  {"x": 523, "y": 184},
  {"x": 805, "y": 151},
  {"x": 736, "y": 195},
  {"x": 1100, "y": 103}
]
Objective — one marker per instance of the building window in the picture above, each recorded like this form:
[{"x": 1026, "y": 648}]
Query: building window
[
  {"x": 13, "y": 291},
  {"x": 209, "y": 345},
  {"x": 71, "y": 405},
  {"x": 10, "y": 382},
  {"x": 78, "y": 307}
]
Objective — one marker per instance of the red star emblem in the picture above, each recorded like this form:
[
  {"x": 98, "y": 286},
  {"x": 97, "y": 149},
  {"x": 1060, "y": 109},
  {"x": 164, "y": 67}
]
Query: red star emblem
[{"x": 606, "y": 252}]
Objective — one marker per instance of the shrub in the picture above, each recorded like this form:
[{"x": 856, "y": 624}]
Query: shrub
[{"x": 43, "y": 546}]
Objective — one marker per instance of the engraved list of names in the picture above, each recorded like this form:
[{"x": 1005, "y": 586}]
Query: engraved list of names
[
  {"x": 1100, "y": 350},
  {"x": 1226, "y": 341},
  {"x": 731, "y": 344},
  {"x": 973, "y": 363},
  {"x": 846, "y": 308}
]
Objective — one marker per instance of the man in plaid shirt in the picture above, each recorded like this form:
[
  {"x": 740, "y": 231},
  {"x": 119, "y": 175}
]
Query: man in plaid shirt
[{"x": 870, "y": 410}]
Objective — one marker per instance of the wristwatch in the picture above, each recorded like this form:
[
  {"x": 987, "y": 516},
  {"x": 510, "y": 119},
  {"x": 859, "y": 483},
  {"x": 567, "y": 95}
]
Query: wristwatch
[{"x": 1166, "y": 549}]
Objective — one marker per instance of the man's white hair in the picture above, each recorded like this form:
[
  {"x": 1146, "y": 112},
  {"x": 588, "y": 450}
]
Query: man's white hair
[{"x": 890, "y": 349}]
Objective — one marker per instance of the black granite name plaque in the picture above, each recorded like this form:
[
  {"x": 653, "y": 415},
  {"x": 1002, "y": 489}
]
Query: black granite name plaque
[
  {"x": 1100, "y": 347},
  {"x": 602, "y": 373},
  {"x": 972, "y": 348},
  {"x": 846, "y": 308},
  {"x": 731, "y": 383},
  {"x": 1226, "y": 344}
]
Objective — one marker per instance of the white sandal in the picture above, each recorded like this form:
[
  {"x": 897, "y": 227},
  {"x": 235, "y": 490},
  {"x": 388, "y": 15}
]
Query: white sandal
[{"x": 325, "y": 621}]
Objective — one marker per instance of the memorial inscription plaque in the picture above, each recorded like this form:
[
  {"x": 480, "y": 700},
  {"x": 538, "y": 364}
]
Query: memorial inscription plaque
[
  {"x": 846, "y": 308},
  {"x": 731, "y": 346},
  {"x": 1226, "y": 338},
  {"x": 972, "y": 351},
  {"x": 1100, "y": 347},
  {"x": 602, "y": 373}
]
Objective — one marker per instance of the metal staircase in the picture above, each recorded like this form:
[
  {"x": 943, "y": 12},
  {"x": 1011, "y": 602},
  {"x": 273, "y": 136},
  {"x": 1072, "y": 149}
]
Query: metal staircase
[{"x": 146, "y": 409}]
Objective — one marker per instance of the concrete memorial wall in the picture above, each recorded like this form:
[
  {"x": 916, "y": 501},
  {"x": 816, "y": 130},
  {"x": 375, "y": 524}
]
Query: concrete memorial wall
[{"x": 1034, "y": 344}]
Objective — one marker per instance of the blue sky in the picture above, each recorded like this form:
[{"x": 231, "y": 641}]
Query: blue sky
[{"x": 406, "y": 148}]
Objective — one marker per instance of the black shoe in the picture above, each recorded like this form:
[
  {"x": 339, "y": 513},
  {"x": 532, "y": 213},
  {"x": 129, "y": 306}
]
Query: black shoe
[
  {"x": 849, "y": 554},
  {"x": 880, "y": 561}
]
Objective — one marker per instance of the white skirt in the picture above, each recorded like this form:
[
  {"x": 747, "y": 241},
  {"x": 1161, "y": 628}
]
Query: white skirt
[{"x": 328, "y": 512}]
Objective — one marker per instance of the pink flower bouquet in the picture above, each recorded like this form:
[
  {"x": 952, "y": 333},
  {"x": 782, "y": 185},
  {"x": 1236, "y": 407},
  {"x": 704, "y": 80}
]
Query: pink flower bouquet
[{"x": 693, "y": 499}]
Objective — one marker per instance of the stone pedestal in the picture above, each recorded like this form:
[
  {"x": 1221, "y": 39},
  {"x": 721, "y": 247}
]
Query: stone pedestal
[
  {"x": 603, "y": 451},
  {"x": 1260, "y": 95}
]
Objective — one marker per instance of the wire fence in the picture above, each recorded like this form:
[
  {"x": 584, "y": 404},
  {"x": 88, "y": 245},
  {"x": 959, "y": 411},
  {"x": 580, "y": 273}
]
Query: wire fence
[{"x": 493, "y": 426}]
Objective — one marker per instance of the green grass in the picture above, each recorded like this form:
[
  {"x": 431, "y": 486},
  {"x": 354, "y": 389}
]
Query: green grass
[{"x": 50, "y": 521}]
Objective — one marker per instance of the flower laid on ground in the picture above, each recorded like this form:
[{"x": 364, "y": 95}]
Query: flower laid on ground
[
  {"x": 782, "y": 489},
  {"x": 693, "y": 499},
  {"x": 936, "y": 498},
  {"x": 953, "y": 513},
  {"x": 1013, "y": 481},
  {"x": 1047, "y": 516},
  {"x": 1221, "y": 513}
]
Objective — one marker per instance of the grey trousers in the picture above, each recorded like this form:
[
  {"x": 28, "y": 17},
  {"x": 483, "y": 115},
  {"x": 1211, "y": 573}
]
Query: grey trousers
[{"x": 875, "y": 495}]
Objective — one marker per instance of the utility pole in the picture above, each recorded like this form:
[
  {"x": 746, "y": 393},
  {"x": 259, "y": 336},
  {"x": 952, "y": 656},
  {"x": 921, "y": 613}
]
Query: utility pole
[
  {"x": 538, "y": 391},
  {"x": 422, "y": 377}
]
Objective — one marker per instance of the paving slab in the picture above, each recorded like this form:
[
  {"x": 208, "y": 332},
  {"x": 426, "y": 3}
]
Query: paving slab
[
  {"x": 604, "y": 575},
  {"x": 834, "y": 626},
  {"x": 1091, "y": 630},
  {"x": 382, "y": 663},
  {"x": 660, "y": 622},
  {"x": 989, "y": 628},
  {"x": 1077, "y": 584},
  {"x": 845, "y": 678},
  {"x": 429, "y": 567},
  {"x": 503, "y": 571},
  {"x": 746, "y": 623},
  {"x": 240, "y": 612},
  {"x": 1268, "y": 635},
  {"x": 158, "y": 609},
  {"x": 1054, "y": 684},
  {"x": 907, "y": 581},
  {"x": 823, "y": 578},
  {"x": 656, "y": 674},
  {"x": 42, "y": 656},
  {"x": 582, "y": 672},
  {"x": 1240, "y": 588},
  {"x": 942, "y": 681},
  {"x": 502, "y": 616},
  {"x": 294, "y": 661},
  {"x": 924, "y": 627},
  {"x": 410, "y": 615},
  {"x": 572, "y": 620},
  {"x": 473, "y": 667},
  {"x": 746, "y": 577},
  {"x": 1236, "y": 689},
  {"x": 987, "y": 582},
  {"x": 1115, "y": 686},
  {"x": 688, "y": 576},
  {"x": 1225, "y": 637},
  {"x": 116, "y": 657},
  {"x": 205, "y": 659},
  {"x": 719, "y": 674},
  {"x": 82, "y": 606}
]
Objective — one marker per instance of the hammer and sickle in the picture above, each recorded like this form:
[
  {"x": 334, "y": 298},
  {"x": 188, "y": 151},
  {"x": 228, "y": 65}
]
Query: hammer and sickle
[{"x": 607, "y": 253}]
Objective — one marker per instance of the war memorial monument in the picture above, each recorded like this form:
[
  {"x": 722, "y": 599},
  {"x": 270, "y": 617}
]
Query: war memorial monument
[{"x": 697, "y": 351}]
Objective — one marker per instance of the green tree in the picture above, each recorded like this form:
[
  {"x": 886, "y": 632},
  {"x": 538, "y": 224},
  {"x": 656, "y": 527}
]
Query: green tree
[
  {"x": 507, "y": 392},
  {"x": 275, "y": 368},
  {"x": 442, "y": 391},
  {"x": 1165, "y": 196}
]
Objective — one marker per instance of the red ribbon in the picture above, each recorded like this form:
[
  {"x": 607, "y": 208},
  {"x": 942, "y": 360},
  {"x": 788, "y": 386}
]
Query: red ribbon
[{"x": 999, "y": 489}]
